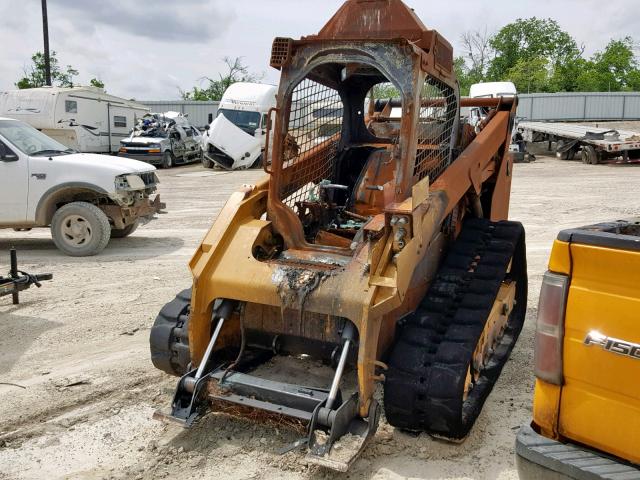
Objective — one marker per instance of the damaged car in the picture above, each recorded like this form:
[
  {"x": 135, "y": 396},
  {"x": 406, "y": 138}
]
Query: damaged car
[{"x": 164, "y": 139}]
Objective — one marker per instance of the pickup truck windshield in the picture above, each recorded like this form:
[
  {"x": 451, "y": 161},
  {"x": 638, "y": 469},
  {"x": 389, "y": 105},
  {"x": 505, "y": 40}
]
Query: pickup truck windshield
[
  {"x": 29, "y": 140},
  {"x": 247, "y": 121}
]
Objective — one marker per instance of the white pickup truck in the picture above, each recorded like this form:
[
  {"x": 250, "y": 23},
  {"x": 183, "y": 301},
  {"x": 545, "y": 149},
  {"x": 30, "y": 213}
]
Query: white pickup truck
[{"x": 85, "y": 198}]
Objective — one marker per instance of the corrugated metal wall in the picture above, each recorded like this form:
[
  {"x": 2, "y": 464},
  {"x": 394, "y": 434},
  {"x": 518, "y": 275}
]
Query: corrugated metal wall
[
  {"x": 580, "y": 106},
  {"x": 534, "y": 106},
  {"x": 200, "y": 113}
]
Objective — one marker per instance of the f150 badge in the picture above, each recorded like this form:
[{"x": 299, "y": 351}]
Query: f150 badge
[{"x": 613, "y": 345}]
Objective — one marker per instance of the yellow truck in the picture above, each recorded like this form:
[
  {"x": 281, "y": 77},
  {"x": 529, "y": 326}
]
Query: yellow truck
[{"x": 586, "y": 407}]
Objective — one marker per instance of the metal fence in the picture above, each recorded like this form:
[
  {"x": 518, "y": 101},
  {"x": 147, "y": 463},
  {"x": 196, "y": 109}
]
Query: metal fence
[
  {"x": 580, "y": 106},
  {"x": 200, "y": 113}
]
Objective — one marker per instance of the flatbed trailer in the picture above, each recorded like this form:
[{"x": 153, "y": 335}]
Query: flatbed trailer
[{"x": 594, "y": 144}]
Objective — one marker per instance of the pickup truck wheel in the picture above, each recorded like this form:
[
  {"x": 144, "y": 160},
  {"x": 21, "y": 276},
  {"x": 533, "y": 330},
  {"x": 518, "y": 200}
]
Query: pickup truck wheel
[
  {"x": 124, "y": 232},
  {"x": 80, "y": 229},
  {"x": 167, "y": 160}
]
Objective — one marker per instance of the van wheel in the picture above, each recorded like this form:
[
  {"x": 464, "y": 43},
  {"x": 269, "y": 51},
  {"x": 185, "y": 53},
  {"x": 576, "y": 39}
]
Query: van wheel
[
  {"x": 124, "y": 232},
  {"x": 167, "y": 160},
  {"x": 80, "y": 229}
]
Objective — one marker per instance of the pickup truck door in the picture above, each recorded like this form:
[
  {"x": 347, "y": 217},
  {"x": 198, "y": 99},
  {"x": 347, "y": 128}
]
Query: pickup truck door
[{"x": 14, "y": 185}]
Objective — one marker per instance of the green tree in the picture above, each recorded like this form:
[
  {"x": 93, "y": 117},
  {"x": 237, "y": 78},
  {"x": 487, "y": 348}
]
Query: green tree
[
  {"x": 522, "y": 44},
  {"x": 384, "y": 91},
  {"x": 236, "y": 72},
  {"x": 95, "y": 82},
  {"x": 34, "y": 75},
  {"x": 612, "y": 70},
  {"x": 530, "y": 75},
  {"x": 464, "y": 75}
]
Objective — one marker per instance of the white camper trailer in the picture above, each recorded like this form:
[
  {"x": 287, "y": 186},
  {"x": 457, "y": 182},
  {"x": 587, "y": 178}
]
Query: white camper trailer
[
  {"x": 85, "y": 119},
  {"x": 236, "y": 138}
]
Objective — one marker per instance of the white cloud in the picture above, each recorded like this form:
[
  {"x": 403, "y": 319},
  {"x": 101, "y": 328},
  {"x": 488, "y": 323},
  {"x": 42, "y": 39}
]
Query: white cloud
[{"x": 147, "y": 50}]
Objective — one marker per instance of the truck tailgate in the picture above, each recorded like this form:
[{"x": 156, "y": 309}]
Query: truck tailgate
[{"x": 600, "y": 400}]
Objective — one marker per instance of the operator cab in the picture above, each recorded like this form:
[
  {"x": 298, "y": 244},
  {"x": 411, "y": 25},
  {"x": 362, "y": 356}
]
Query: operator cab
[{"x": 341, "y": 152}]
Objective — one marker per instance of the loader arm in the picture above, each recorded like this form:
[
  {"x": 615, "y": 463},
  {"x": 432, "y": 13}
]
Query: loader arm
[{"x": 487, "y": 156}]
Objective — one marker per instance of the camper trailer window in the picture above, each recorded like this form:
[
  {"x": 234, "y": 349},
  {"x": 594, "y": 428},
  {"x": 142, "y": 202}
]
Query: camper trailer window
[
  {"x": 119, "y": 121},
  {"x": 71, "y": 106}
]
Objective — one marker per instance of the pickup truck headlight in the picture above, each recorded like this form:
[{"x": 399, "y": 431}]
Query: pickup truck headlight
[
  {"x": 129, "y": 183},
  {"x": 122, "y": 183}
]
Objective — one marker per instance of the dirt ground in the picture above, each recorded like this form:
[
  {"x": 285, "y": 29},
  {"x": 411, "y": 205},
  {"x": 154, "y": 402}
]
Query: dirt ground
[{"x": 78, "y": 389}]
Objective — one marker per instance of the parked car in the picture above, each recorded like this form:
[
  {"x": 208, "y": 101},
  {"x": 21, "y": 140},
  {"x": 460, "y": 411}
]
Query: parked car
[
  {"x": 84, "y": 198},
  {"x": 164, "y": 139},
  {"x": 586, "y": 406},
  {"x": 85, "y": 119}
]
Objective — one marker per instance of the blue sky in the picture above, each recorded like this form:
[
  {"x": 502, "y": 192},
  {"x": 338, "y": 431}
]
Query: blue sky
[{"x": 148, "y": 50}]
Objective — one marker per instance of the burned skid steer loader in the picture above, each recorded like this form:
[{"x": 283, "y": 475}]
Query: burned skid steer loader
[{"x": 379, "y": 239}]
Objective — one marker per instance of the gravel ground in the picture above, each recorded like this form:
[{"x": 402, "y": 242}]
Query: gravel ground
[{"x": 78, "y": 389}]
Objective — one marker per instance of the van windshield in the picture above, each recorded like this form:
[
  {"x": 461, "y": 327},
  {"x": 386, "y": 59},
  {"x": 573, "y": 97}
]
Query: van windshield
[
  {"x": 247, "y": 121},
  {"x": 29, "y": 140}
]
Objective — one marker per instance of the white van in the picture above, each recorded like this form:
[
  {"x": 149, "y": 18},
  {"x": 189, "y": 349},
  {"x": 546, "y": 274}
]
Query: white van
[
  {"x": 236, "y": 138},
  {"x": 85, "y": 119}
]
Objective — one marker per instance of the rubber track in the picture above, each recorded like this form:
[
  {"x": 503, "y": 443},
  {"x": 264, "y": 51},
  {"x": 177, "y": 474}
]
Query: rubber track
[
  {"x": 169, "y": 337},
  {"x": 434, "y": 346}
]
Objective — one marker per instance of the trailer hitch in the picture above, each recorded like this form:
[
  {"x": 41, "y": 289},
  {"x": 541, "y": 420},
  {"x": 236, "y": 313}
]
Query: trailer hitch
[{"x": 18, "y": 280}]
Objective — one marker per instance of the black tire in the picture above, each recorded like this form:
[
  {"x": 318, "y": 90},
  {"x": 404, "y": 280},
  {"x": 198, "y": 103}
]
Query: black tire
[
  {"x": 169, "y": 337},
  {"x": 589, "y": 155},
  {"x": 206, "y": 163},
  {"x": 80, "y": 229},
  {"x": 124, "y": 232},
  {"x": 168, "y": 160}
]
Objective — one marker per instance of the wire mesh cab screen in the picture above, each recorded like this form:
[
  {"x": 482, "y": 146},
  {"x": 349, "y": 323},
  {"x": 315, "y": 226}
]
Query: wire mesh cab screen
[
  {"x": 313, "y": 135},
  {"x": 438, "y": 114}
]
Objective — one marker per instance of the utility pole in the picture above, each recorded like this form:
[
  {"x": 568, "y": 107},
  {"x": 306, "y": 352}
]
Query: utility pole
[{"x": 45, "y": 32}]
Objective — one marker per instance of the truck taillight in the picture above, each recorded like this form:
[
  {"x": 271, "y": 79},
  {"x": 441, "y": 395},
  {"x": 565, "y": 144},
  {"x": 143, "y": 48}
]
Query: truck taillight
[{"x": 550, "y": 328}]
